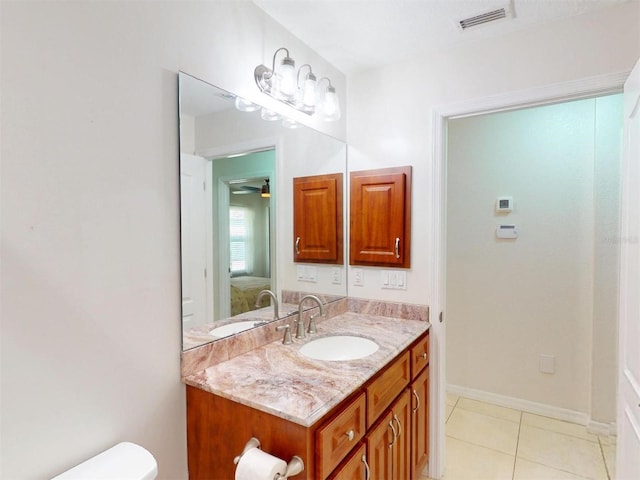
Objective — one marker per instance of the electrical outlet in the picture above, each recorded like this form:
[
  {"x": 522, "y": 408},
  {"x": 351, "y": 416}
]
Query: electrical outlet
[{"x": 548, "y": 363}]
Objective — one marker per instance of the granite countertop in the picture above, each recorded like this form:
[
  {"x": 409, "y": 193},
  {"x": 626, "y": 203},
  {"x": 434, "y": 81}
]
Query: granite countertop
[
  {"x": 201, "y": 334},
  {"x": 277, "y": 379}
]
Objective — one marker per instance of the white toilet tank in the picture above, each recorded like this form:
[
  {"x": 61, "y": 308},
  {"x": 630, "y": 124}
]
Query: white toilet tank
[{"x": 124, "y": 461}]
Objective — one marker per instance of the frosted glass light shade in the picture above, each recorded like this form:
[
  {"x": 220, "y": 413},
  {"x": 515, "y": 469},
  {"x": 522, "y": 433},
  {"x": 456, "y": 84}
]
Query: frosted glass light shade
[
  {"x": 308, "y": 93},
  {"x": 286, "y": 79},
  {"x": 330, "y": 105}
]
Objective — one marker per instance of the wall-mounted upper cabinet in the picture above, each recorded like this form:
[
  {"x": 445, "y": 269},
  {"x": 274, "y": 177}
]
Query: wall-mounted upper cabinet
[
  {"x": 380, "y": 217},
  {"x": 317, "y": 219}
]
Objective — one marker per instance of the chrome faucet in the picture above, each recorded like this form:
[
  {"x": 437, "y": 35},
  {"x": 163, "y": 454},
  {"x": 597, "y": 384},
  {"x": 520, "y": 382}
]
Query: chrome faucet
[
  {"x": 312, "y": 320},
  {"x": 274, "y": 302}
]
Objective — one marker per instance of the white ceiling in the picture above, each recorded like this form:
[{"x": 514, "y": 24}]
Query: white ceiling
[{"x": 354, "y": 35}]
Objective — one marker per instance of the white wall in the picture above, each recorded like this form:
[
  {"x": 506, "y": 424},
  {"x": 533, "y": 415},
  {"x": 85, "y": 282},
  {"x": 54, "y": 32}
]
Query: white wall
[
  {"x": 604, "y": 356},
  {"x": 391, "y": 109},
  {"x": 509, "y": 301},
  {"x": 90, "y": 230}
]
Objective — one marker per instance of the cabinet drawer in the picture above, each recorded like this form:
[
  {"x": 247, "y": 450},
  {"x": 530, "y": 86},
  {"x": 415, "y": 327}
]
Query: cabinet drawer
[
  {"x": 336, "y": 438},
  {"x": 384, "y": 389},
  {"x": 419, "y": 356},
  {"x": 353, "y": 467}
]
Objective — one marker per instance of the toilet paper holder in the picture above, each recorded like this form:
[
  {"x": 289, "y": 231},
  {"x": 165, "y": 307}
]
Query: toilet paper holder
[{"x": 294, "y": 467}]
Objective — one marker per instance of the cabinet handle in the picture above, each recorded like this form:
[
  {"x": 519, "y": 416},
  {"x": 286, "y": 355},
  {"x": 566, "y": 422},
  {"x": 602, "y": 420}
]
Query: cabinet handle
[
  {"x": 397, "y": 247},
  {"x": 395, "y": 417},
  {"x": 297, "y": 245},
  {"x": 350, "y": 435},
  {"x": 366, "y": 466},
  {"x": 415, "y": 394},
  {"x": 395, "y": 435}
]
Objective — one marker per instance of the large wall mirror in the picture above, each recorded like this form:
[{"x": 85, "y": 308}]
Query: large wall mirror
[{"x": 237, "y": 165}]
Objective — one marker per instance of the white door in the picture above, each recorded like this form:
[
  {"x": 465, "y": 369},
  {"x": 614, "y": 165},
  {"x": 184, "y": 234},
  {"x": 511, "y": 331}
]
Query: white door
[
  {"x": 193, "y": 239},
  {"x": 628, "y": 456}
]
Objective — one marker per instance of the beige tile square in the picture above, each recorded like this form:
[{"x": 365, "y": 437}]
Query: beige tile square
[
  {"x": 526, "y": 470},
  {"x": 448, "y": 413},
  {"x": 609, "y": 452},
  {"x": 558, "y": 426},
  {"x": 562, "y": 452},
  {"x": 483, "y": 430},
  {"x": 465, "y": 461},
  {"x": 489, "y": 409},
  {"x": 607, "y": 439},
  {"x": 452, "y": 399}
]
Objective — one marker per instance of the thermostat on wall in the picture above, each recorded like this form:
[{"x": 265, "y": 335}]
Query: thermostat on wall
[
  {"x": 507, "y": 231},
  {"x": 504, "y": 204}
]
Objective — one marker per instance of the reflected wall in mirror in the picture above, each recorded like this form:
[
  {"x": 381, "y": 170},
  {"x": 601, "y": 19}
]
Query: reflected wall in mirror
[{"x": 236, "y": 190}]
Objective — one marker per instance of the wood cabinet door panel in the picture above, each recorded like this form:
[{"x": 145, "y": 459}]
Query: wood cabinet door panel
[
  {"x": 419, "y": 423},
  {"x": 379, "y": 449},
  {"x": 402, "y": 446},
  {"x": 353, "y": 468},
  {"x": 317, "y": 219},
  {"x": 380, "y": 217}
]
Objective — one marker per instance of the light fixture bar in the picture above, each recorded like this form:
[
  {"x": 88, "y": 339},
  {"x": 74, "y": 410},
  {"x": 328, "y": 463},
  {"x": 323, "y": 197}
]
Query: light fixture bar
[{"x": 297, "y": 90}]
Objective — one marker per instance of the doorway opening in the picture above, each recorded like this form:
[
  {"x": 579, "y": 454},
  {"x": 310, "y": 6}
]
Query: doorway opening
[{"x": 552, "y": 94}]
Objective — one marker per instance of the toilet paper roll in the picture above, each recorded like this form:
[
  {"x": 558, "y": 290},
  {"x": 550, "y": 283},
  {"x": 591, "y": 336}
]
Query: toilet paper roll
[{"x": 258, "y": 465}]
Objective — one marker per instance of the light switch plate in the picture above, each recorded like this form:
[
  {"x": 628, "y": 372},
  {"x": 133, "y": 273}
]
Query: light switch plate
[
  {"x": 358, "y": 277},
  {"x": 393, "y": 279},
  {"x": 336, "y": 275}
]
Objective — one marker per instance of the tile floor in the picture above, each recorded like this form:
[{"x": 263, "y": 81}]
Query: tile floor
[{"x": 488, "y": 442}]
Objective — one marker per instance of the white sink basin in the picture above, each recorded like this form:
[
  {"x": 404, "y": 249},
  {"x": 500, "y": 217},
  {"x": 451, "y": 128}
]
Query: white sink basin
[
  {"x": 231, "y": 328},
  {"x": 339, "y": 347}
]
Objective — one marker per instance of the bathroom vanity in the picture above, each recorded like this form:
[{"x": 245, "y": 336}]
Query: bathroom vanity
[{"x": 351, "y": 419}]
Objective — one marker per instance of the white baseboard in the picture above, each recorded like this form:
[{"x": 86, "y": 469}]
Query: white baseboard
[
  {"x": 573, "y": 416},
  {"x": 601, "y": 428}
]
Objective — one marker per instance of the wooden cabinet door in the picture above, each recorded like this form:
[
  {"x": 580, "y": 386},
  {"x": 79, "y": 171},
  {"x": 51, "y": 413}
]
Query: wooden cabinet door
[
  {"x": 317, "y": 219},
  {"x": 353, "y": 468},
  {"x": 380, "y": 217},
  {"x": 379, "y": 442},
  {"x": 419, "y": 423},
  {"x": 401, "y": 413}
]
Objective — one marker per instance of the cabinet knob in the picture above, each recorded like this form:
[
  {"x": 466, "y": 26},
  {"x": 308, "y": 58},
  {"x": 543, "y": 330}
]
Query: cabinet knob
[
  {"x": 423, "y": 356},
  {"x": 350, "y": 435}
]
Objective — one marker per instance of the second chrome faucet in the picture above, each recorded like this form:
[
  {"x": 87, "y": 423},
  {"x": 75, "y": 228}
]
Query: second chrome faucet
[{"x": 300, "y": 332}]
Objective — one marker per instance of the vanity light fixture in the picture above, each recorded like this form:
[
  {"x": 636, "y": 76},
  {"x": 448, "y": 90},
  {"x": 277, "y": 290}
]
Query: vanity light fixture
[
  {"x": 298, "y": 90},
  {"x": 265, "y": 192}
]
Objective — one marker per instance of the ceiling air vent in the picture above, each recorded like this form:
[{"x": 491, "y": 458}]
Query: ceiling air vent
[{"x": 484, "y": 18}]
